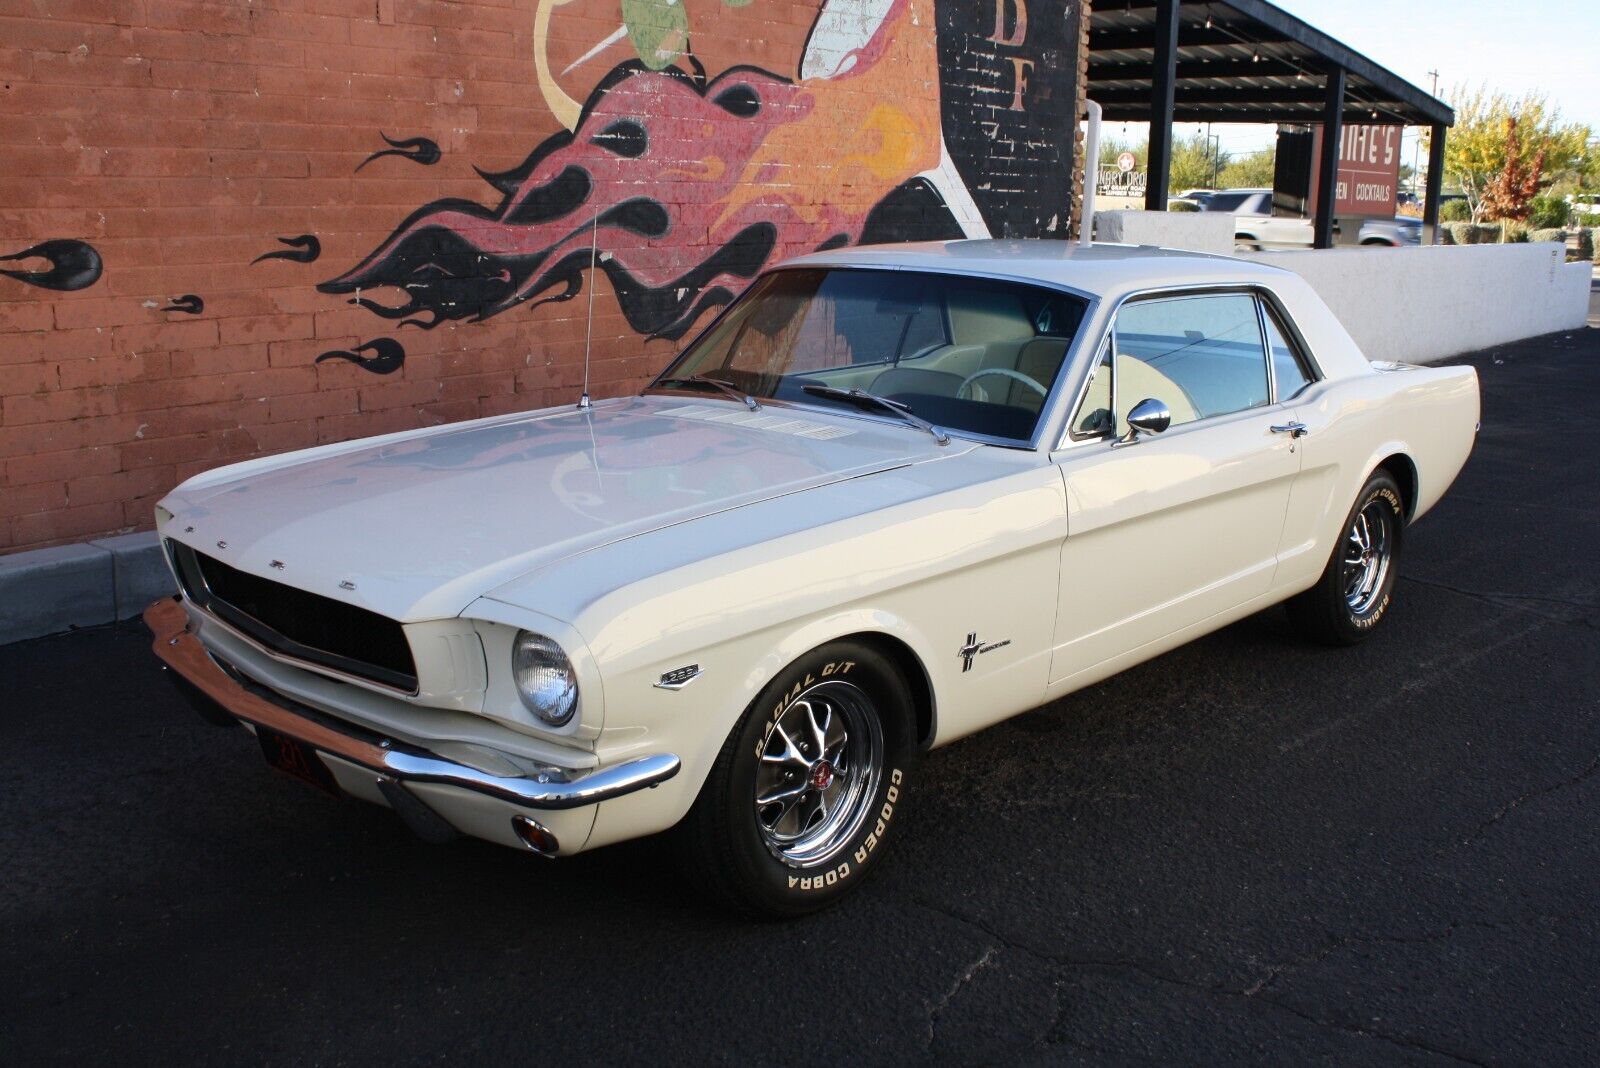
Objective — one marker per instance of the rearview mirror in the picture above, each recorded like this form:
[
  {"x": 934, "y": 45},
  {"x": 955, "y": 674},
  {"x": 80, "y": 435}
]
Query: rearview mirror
[{"x": 1150, "y": 416}]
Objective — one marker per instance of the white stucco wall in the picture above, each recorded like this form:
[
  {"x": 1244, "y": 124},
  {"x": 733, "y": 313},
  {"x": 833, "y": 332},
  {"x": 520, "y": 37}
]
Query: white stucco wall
[
  {"x": 1415, "y": 305},
  {"x": 1196, "y": 231},
  {"x": 1418, "y": 305}
]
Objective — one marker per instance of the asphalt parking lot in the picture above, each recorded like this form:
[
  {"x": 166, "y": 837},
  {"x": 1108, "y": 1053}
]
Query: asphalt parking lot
[{"x": 1250, "y": 849}]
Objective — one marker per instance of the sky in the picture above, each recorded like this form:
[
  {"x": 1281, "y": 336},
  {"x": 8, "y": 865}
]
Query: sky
[{"x": 1550, "y": 46}]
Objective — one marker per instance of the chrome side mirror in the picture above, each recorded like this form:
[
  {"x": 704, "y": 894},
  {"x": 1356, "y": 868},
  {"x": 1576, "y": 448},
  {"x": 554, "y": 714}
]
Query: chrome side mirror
[{"x": 1150, "y": 416}]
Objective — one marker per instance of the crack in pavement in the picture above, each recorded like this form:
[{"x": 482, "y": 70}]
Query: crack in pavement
[
  {"x": 935, "y": 1010},
  {"x": 1506, "y": 809},
  {"x": 1510, "y": 601},
  {"x": 1251, "y": 994},
  {"x": 1344, "y": 942},
  {"x": 1422, "y": 677},
  {"x": 1520, "y": 505}
]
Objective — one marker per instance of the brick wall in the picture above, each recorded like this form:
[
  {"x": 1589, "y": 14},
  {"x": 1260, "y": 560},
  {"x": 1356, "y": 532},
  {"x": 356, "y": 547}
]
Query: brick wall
[{"x": 235, "y": 228}]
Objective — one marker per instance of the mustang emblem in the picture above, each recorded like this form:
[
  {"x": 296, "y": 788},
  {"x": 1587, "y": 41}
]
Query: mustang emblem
[{"x": 973, "y": 649}]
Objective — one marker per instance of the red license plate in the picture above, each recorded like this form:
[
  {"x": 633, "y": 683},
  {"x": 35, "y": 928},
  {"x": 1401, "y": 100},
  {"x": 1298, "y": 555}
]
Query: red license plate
[{"x": 297, "y": 759}]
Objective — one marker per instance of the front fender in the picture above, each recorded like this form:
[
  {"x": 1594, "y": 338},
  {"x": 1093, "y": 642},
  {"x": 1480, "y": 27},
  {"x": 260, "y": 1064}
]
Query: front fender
[{"x": 694, "y": 723}]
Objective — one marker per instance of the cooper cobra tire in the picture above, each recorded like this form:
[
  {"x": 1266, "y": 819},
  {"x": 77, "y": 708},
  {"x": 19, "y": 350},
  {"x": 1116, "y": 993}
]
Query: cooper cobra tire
[
  {"x": 1356, "y": 589},
  {"x": 810, "y": 786}
]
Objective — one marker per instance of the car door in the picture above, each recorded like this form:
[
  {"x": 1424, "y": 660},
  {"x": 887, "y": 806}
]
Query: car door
[{"x": 1167, "y": 530}]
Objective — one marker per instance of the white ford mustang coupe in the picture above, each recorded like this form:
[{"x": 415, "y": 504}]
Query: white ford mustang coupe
[{"x": 890, "y": 496}]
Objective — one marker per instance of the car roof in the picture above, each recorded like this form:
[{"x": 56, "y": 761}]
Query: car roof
[{"x": 1107, "y": 270}]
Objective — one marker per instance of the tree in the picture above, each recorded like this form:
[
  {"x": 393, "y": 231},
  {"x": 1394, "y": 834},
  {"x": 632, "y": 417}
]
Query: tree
[
  {"x": 1475, "y": 148},
  {"x": 1250, "y": 172},
  {"x": 1508, "y": 194},
  {"x": 1192, "y": 163},
  {"x": 1112, "y": 147}
]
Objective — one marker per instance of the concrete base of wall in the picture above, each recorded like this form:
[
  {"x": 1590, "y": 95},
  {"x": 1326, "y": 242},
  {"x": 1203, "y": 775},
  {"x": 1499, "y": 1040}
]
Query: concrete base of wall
[
  {"x": 51, "y": 590},
  {"x": 1195, "y": 231}
]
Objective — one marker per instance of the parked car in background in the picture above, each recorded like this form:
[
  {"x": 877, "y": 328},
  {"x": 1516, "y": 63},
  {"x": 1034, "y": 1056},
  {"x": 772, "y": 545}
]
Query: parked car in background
[
  {"x": 1255, "y": 227},
  {"x": 1198, "y": 197},
  {"x": 889, "y": 497},
  {"x": 1585, "y": 206},
  {"x": 1399, "y": 231}
]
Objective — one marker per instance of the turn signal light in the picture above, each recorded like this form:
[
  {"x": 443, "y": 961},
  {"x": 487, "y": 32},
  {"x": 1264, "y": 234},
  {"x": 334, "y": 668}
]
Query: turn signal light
[{"x": 535, "y": 836}]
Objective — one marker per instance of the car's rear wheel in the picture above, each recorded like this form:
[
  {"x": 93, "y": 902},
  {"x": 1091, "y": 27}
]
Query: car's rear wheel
[
  {"x": 809, "y": 786},
  {"x": 1245, "y": 244},
  {"x": 1357, "y": 587}
]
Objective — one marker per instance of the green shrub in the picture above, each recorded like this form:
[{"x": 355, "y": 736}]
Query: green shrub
[
  {"x": 1595, "y": 242},
  {"x": 1445, "y": 236},
  {"x": 1466, "y": 233},
  {"x": 1549, "y": 212},
  {"x": 1182, "y": 205},
  {"x": 1515, "y": 233},
  {"x": 1585, "y": 249},
  {"x": 1549, "y": 233},
  {"x": 1455, "y": 211}
]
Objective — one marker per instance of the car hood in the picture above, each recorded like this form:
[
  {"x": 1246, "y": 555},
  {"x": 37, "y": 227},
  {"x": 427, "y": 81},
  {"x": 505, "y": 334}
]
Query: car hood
[{"x": 416, "y": 526}]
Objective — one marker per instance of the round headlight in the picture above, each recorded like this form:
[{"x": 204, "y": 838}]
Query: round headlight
[{"x": 544, "y": 677}]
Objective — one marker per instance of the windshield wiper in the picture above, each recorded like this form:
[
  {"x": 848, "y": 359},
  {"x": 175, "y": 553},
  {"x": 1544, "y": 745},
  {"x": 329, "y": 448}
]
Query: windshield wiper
[
  {"x": 717, "y": 383},
  {"x": 862, "y": 399}
]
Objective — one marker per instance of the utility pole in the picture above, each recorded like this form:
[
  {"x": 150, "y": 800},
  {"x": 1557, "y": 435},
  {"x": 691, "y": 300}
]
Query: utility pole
[{"x": 1416, "y": 146}]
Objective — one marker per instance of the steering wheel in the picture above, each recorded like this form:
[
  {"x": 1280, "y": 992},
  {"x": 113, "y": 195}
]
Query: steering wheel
[{"x": 1003, "y": 372}]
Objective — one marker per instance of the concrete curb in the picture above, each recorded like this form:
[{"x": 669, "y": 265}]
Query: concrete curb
[{"x": 46, "y": 591}]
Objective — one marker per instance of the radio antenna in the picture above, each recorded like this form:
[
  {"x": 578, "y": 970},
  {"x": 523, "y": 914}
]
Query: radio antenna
[{"x": 584, "y": 403}]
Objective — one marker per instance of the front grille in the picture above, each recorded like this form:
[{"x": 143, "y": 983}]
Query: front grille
[{"x": 304, "y": 626}]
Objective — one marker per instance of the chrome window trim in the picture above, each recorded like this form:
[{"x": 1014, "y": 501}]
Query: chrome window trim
[
  {"x": 1048, "y": 410},
  {"x": 1108, "y": 343},
  {"x": 1266, "y": 348},
  {"x": 1259, "y": 290},
  {"x": 1274, "y": 310}
]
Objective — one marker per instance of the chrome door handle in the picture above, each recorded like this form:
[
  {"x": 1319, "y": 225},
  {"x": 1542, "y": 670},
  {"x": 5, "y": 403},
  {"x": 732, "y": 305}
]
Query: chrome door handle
[{"x": 1294, "y": 430}]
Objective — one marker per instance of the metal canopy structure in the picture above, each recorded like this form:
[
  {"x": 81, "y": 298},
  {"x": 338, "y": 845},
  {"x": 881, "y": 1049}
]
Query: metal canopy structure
[{"x": 1166, "y": 61}]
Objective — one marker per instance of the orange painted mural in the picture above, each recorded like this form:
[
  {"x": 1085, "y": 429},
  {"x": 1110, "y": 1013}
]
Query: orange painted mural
[
  {"x": 229, "y": 229},
  {"x": 681, "y": 184}
]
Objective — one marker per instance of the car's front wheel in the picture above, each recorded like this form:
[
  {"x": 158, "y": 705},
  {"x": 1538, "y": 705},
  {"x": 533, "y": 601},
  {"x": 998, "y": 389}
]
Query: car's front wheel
[
  {"x": 1357, "y": 587},
  {"x": 810, "y": 785}
]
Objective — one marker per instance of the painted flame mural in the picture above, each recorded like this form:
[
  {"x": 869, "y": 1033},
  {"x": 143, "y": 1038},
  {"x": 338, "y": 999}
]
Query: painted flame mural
[{"x": 687, "y": 185}]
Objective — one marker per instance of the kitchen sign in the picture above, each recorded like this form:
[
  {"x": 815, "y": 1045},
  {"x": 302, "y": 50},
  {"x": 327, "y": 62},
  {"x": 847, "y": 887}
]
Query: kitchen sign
[{"x": 1369, "y": 171}]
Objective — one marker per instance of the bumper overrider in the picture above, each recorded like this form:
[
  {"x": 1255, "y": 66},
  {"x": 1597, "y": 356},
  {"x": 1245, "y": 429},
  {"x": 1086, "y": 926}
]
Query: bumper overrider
[{"x": 402, "y": 773}]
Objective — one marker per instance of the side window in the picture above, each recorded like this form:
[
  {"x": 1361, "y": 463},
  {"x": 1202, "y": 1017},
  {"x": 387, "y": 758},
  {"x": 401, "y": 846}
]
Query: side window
[
  {"x": 1202, "y": 356},
  {"x": 1288, "y": 366}
]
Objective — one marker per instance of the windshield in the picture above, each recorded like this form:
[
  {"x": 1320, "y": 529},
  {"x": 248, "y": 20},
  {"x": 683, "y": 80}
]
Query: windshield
[{"x": 967, "y": 354}]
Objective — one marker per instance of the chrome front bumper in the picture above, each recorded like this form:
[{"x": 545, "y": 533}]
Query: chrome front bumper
[{"x": 395, "y": 761}]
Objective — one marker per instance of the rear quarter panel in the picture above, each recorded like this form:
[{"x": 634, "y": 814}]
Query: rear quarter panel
[{"x": 1427, "y": 414}]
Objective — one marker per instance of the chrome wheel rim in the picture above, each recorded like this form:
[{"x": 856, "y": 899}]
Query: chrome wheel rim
[
  {"x": 819, "y": 771},
  {"x": 1367, "y": 549}
]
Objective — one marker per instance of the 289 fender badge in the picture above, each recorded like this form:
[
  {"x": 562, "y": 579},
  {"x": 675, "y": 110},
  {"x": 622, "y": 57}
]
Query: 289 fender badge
[
  {"x": 678, "y": 678},
  {"x": 973, "y": 649}
]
